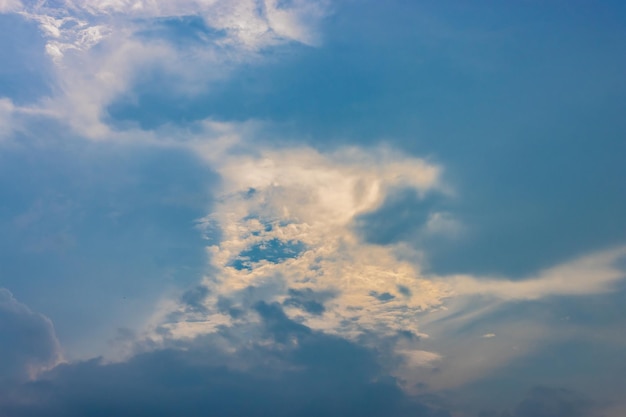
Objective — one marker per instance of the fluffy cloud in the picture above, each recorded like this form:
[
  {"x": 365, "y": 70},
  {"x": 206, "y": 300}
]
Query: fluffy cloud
[
  {"x": 28, "y": 344},
  {"x": 285, "y": 221}
]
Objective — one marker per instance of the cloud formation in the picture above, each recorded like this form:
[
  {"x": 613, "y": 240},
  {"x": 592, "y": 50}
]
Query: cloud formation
[{"x": 285, "y": 221}]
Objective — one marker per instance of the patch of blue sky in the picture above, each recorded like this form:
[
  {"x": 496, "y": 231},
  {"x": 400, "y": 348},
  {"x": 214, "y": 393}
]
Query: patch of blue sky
[
  {"x": 273, "y": 250},
  {"x": 181, "y": 31}
]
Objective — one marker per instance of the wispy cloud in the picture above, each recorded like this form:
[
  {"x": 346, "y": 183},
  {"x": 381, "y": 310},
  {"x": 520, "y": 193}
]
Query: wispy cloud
[{"x": 590, "y": 274}]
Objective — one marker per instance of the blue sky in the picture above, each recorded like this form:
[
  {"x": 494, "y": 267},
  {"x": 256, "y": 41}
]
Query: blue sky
[{"x": 264, "y": 207}]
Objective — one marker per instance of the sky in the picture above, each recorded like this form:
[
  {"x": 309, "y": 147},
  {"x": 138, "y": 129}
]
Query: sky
[{"x": 230, "y": 208}]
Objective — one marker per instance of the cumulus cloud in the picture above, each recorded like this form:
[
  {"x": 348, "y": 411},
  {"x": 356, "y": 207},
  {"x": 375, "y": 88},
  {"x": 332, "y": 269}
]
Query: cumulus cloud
[
  {"x": 28, "y": 344},
  {"x": 285, "y": 225}
]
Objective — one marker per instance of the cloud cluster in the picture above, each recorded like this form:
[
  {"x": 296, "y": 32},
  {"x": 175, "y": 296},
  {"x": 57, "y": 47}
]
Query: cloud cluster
[{"x": 284, "y": 224}]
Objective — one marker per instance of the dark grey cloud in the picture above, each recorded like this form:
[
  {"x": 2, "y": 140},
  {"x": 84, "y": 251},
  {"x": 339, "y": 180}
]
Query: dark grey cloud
[
  {"x": 27, "y": 341},
  {"x": 301, "y": 373}
]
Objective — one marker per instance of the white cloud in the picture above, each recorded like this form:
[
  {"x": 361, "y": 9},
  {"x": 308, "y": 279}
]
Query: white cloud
[{"x": 300, "y": 195}]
